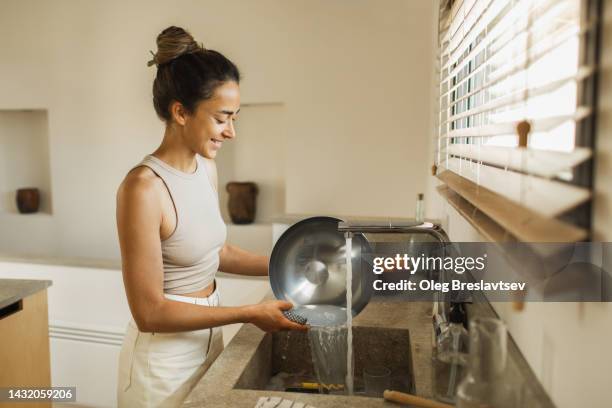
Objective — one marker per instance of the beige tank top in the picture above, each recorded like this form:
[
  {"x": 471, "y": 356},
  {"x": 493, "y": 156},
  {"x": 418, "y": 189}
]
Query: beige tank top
[{"x": 191, "y": 253}]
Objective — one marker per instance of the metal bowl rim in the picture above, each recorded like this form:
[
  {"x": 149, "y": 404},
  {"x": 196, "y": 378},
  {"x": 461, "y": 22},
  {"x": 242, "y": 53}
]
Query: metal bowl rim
[{"x": 278, "y": 292}]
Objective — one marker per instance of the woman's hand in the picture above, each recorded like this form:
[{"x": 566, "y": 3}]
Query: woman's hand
[{"x": 268, "y": 316}]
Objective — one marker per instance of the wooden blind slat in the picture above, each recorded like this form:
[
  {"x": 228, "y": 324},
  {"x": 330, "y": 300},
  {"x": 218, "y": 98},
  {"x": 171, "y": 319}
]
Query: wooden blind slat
[
  {"x": 546, "y": 197},
  {"x": 522, "y": 222},
  {"x": 545, "y": 163}
]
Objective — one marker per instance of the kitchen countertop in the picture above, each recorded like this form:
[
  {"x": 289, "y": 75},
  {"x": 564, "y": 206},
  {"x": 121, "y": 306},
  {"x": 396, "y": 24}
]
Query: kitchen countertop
[
  {"x": 62, "y": 261},
  {"x": 13, "y": 290},
  {"x": 518, "y": 372},
  {"x": 216, "y": 388},
  {"x": 115, "y": 264},
  {"x": 104, "y": 264},
  {"x": 293, "y": 218}
]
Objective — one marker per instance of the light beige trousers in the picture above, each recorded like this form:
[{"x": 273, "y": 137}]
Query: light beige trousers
[{"x": 160, "y": 369}]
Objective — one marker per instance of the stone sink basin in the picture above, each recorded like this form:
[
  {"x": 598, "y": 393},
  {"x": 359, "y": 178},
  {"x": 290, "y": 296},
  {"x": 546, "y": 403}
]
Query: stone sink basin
[
  {"x": 291, "y": 353},
  {"x": 394, "y": 334}
]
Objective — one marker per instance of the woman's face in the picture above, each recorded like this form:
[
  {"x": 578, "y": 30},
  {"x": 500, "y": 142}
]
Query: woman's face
[{"x": 213, "y": 121}]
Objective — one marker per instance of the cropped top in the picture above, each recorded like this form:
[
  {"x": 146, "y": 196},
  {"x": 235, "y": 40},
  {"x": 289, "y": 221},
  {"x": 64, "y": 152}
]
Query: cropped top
[{"x": 191, "y": 253}]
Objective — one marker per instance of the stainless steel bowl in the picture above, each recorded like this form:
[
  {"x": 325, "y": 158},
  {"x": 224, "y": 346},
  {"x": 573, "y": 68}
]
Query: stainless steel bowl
[{"x": 308, "y": 269}]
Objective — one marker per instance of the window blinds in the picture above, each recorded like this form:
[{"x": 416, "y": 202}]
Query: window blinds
[{"x": 504, "y": 62}]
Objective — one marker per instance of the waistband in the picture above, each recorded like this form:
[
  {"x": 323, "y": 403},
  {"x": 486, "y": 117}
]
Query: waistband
[{"x": 210, "y": 300}]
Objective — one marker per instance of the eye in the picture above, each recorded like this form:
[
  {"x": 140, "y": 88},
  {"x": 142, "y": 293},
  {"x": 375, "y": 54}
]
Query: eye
[{"x": 219, "y": 121}]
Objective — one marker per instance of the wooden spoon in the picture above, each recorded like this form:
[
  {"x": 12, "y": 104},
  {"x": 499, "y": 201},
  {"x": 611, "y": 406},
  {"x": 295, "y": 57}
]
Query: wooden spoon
[{"x": 403, "y": 398}]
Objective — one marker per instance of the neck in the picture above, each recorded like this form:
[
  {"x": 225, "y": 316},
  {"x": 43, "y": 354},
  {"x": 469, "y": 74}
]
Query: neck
[{"x": 174, "y": 152}]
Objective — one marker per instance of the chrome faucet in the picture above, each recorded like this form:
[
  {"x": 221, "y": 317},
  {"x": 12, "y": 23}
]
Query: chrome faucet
[
  {"x": 440, "y": 306},
  {"x": 390, "y": 226}
]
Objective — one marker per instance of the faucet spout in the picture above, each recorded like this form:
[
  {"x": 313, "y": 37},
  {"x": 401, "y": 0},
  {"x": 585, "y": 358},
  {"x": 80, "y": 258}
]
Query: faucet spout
[
  {"x": 440, "y": 306},
  {"x": 394, "y": 227}
]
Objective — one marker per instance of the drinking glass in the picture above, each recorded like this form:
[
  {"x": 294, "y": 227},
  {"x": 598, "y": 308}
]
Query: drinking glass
[
  {"x": 485, "y": 384},
  {"x": 376, "y": 380}
]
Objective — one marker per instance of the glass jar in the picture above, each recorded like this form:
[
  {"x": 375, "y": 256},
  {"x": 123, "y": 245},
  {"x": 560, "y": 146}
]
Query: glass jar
[
  {"x": 484, "y": 386},
  {"x": 450, "y": 357}
]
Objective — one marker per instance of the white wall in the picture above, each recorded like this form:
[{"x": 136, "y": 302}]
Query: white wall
[
  {"x": 566, "y": 344},
  {"x": 352, "y": 76},
  {"x": 85, "y": 62},
  {"x": 359, "y": 107}
]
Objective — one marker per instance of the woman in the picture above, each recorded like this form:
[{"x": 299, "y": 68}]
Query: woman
[{"x": 172, "y": 236}]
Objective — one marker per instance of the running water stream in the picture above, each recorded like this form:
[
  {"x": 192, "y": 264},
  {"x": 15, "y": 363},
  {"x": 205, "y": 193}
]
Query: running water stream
[
  {"x": 349, "y": 314},
  {"x": 331, "y": 339}
]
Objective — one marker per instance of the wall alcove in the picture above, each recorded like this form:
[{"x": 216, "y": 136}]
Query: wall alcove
[
  {"x": 258, "y": 155},
  {"x": 24, "y": 157}
]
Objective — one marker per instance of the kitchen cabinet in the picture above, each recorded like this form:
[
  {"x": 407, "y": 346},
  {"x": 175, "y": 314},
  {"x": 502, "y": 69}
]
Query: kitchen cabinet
[{"x": 24, "y": 336}]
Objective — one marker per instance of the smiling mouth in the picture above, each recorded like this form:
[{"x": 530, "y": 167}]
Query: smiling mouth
[{"x": 216, "y": 142}]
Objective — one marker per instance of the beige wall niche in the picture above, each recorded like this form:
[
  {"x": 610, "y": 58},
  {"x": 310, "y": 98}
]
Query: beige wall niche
[
  {"x": 257, "y": 154},
  {"x": 24, "y": 157}
]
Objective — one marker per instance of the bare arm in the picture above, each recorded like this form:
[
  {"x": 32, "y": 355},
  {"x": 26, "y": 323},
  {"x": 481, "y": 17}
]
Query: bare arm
[
  {"x": 236, "y": 260},
  {"x": 139, "y": 217}
]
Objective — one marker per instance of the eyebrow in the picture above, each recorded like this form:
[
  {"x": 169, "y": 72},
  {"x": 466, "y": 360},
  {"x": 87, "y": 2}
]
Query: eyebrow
[{"x": 228, "y": 112}]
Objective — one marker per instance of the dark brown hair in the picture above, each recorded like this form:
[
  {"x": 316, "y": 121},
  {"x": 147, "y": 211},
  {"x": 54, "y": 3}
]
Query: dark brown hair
[{"x": 186, "y": 71}]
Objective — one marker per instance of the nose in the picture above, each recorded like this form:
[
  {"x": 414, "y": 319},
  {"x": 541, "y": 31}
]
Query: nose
[{"x": 229, "y": 132}]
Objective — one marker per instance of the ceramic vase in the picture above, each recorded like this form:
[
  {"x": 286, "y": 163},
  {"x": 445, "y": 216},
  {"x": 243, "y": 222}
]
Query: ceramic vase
[
  {"x": 242, "y": 201},
  {"x": 28, "y": 200}
]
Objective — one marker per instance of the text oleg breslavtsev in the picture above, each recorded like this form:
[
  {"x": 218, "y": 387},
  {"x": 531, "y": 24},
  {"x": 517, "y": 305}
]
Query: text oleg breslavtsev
[{"x": 455, "y": 284}]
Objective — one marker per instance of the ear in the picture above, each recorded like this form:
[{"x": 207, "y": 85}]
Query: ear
[{"x": 178, "y": 113}]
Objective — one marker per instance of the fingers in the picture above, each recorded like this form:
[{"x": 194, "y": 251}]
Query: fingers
[
  {"x": 272, "y": 318},
  {"x": 284, "y": 305},
  {"x": 296, "y": 326},
  {"x": 289, "y": 324}
]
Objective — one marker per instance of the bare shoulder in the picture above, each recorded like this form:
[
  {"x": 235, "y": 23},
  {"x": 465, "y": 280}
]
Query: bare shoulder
[{"x": 141, "y": 186}]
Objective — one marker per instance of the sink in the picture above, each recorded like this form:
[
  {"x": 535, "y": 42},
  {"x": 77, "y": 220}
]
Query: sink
[
  {"x": 394, "y": 334},
  {"x": 290, "y": 352}
]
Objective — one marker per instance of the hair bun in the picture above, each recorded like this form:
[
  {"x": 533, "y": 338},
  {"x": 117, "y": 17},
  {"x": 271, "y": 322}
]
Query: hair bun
[{"x": 172, "y": 43}]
